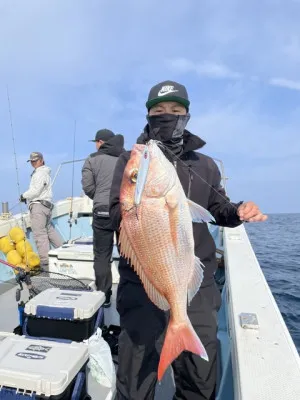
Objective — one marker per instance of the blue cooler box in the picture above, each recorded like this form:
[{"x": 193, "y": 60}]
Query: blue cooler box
[
  {"x": 64, "y": 314},
  {"x": 38, "y": 369}
]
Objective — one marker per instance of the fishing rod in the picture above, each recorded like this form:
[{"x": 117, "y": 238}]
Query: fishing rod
[
  {"x": 14, "y": 150},
  {"x": 17, "y": 173},
  {"x": 72, "y": 190},
  {"x": 14, "y": 206},
  {"x": 199, "y": 176},
  {"x": 22, "y": 276},
  {"x": 11, "y": 265}
]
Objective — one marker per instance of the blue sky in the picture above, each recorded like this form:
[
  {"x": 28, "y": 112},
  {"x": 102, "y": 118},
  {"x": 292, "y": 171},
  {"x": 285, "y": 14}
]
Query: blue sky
[{"x": 95, "y": 61}]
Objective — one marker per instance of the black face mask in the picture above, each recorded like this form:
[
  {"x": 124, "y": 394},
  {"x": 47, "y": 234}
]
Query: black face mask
[{"x": 169, "y": 129}]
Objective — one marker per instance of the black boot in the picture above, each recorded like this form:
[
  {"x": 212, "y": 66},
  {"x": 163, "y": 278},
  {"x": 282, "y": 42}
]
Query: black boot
[{"x": 107, "y": 302}]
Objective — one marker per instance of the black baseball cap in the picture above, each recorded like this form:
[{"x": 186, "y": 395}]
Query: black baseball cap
[
  {"x": 103, "y": 134},
  {"x": 168, "y": 91}
]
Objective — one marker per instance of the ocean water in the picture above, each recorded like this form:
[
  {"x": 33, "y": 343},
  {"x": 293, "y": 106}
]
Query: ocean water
[{"x": 276, "y": 243}]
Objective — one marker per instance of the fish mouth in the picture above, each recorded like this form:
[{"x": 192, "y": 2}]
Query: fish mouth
[
  {"x": 155, "y": 154},
  {"x": 127, "y": 206}
]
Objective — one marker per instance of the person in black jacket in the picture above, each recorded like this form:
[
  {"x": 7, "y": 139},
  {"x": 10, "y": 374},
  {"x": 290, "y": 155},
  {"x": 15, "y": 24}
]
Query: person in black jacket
[
  {"x": 143, "y": 324},
  {"x": 97, "y": 175}
]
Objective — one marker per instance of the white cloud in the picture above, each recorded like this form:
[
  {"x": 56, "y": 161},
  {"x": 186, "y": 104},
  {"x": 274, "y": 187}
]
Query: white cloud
[
  {"x": 88, "y": 43},
  {"x": 214, "y": 70},
  {"x": 204, "y": 69},
  {"x": 239, "y": 129},
  {"x": 285, "y": 83}
]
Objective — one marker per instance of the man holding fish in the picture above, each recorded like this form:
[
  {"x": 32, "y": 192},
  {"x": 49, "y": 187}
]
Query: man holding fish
[{"x": 162, "y": 195}]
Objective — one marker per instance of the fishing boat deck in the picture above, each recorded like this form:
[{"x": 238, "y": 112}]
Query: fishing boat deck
[{"x": 8, "y": 309}]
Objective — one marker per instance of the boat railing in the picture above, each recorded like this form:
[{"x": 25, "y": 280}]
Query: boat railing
[
  {"x": 65, "y": 163},
  {"x": 224, "y": 178},
  {"x": 265, "y": 361}
]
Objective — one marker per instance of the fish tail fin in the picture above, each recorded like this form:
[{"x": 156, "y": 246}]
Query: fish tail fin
[{"x": 179, "y": 338}]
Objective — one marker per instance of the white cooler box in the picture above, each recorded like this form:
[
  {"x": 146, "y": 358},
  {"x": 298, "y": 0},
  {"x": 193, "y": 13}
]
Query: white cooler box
[
  {"x": 77, "y": 260},
  {"x": 64, "y": 314},
  {"x": 36, "y": 369}
]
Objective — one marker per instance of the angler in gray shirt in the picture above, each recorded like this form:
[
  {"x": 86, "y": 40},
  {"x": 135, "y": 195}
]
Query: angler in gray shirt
[
  {"x": 39, "y": 200},
  {"x": 97, "y": 175}
]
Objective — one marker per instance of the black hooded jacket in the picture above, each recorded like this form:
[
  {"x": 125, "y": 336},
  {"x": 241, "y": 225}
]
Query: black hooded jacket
[
  {"x": 98, "y": 170},
  {"x": 200, "y": 178}
]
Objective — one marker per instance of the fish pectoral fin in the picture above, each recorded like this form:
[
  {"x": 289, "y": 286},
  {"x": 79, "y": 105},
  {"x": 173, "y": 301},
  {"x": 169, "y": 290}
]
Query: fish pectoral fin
[
  {"x": 128, "y": 252},
  {"x": 196, "y": 279},
  {"x": 157, "y": 298},
  {"x": 199, "y": 213},
  {"x": 171, "y": 199}
]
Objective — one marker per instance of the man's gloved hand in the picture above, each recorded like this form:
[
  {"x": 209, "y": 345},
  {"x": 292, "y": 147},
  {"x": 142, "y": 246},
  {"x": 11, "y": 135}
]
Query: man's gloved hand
[{"x": 22, "y": 199}]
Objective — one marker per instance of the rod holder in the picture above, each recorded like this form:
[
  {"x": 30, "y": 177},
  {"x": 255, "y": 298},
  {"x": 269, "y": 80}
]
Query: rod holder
[{"x": 5, "y": 209}]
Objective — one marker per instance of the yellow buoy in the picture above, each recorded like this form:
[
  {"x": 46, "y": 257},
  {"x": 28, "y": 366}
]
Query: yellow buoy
[
  {"x": 6, "y": 245},
  {"x": 31, "y": 259},
  {"x": 23, "y": 246},
  {"x": 13, "y": 257},
  {"x": 16, "y": 234}
]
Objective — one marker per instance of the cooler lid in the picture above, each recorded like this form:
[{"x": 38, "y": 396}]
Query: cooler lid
[
  {"x": 80, "y": 252},
  {"x": 40, "y": 366},
  {"x": 66, "y": 304},
  {"x": 84, "y": 240}
]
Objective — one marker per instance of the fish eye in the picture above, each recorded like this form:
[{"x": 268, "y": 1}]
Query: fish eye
[{"x": 133, "y": 175}]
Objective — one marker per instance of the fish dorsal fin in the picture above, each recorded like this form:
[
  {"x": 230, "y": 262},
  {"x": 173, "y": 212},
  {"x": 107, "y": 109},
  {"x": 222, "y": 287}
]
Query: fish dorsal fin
[
  {"x": 199, "y": 213},
  {"x": 127, "y": 251},
  {"x": 196, "y": 279}
]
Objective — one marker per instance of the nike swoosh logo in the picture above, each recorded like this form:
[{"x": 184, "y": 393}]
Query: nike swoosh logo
[{"x": 159, "y": 94}]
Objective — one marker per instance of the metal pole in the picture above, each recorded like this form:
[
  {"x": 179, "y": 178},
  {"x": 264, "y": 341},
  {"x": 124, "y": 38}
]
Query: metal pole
[{"x": 5, "y": 209}]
